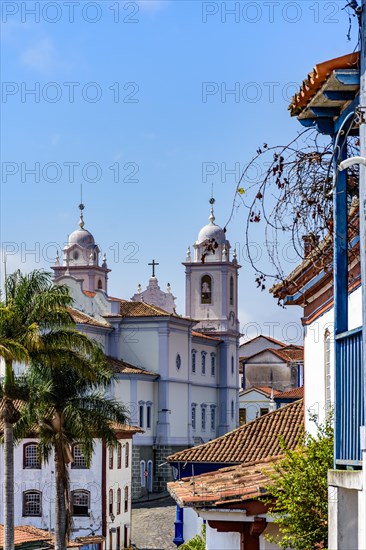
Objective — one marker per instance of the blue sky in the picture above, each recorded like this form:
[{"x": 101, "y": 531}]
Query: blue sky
[{"x": 136, "y": 96}]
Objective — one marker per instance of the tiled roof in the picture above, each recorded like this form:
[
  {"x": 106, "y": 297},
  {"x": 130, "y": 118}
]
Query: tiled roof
[
  {"x": 295, "y": 393},
  {"x": 221, "y": 487},
  {"x": 88, "y": 293},
  {"x": 141, "y": 309},
  {"x": 121, "y": 367},
  {"x": 265, "y": 389},
  {"x": 256, "y": 441},
  {"x": 205, "y": 336},
  {"x": 289, "y": 354},
  {"x": 84, "y": 319},
  {"x": 127, "y": 428},
  {"x": 92, "y": 539},
  {"x": 24, "y": 534},
  {"x": 269, "y": 338},
  {"x": 317, "y": 78}
]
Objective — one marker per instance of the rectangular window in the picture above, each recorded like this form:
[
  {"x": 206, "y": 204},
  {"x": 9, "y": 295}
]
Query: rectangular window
[
  {"x": 126, "y": 499},
  {"x": 203, "y": 418},
  {"x": 80, "y": 503},
  {"x": 110, "y": 501},
  {"x": 118, "y": 501},
  {"x": 141, "y": 416},
  {"x": 213, "y": 364},
  {"x": 118, "y": 535},
  {"x": 110, "y": 450},
  {"x": 148, "y": 416},
  {"x": 32, "y": 503},
  {"x": 119, "y": 456},
  {"x": 30, "y": 457},
  {"x": 264, "y": 411},
  {"x": 79, "y": 458},
  {"x": 127, "y": 455},
  {"x": 213, "y": 419},
  {"x": 193, "y": 361},
  {"x": 193, "y": 417},
  {"x": 203, "y": 363},
  {"x": 242, "y": 416}
]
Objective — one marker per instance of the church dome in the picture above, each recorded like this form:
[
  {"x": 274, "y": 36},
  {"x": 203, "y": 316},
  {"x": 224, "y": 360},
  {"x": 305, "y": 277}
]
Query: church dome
[
  {"x": 211, "y": 231},
  {"x": 82, "y": 237}
]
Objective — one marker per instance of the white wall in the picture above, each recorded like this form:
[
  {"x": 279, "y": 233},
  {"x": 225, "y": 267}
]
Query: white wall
[
  {"x": 43, "y": 480},
  {"x": 314, "y": 366},
  {"x": 253, "y": 401},
  {"x": 256, "y": 345},
  {"x": 191, "y": 524},
  {"x": 221, "y": 541},
  {"x": 119, "y": 478}
]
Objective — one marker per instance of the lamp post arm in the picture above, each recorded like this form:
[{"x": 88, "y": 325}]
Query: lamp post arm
[{"x": 351, "y": 162}]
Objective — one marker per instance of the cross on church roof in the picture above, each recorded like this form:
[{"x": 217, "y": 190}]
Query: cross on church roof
[{"x": 153, "y": 264}]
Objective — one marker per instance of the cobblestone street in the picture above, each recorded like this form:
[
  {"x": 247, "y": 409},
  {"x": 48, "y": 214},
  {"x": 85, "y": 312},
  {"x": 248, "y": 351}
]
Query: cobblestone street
[{"x": 153, "y": 525}]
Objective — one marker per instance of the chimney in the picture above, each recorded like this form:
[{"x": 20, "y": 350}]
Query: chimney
[{"x": 310, "y": 243}]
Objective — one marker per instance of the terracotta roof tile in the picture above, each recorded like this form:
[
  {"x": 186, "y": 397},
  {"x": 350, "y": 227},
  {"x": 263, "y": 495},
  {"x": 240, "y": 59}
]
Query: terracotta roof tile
[
  {"x": 25, "y": 533},
  {"x": 205, "y": 336},
  {"x": 121, "y": 367},
  {"x": 141, "y": 309},
  {"x": 317, "y": 78},
  {"x": 256, "y": 441},
  {"x": 127, "y": 428},
  {"x": 84, "y": 319},
  {"x": 88, "y": 293},
  {"x": 269, "y": 338},
  {"x": 265, "y": 389},
  {"x": 295, "y": 393},
  {"x": 221, "y": 487},
  {"x": 289, "y": 355}
]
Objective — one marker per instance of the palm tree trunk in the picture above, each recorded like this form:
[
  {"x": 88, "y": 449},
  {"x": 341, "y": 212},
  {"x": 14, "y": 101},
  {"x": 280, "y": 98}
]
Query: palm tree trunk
[
  {"x": 9, "y": 416},
  {"x": 60, "y": 504}
]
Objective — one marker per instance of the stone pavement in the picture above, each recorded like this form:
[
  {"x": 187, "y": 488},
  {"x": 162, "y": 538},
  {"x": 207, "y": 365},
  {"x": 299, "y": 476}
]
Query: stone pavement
[{"x": 153, "y": 525}]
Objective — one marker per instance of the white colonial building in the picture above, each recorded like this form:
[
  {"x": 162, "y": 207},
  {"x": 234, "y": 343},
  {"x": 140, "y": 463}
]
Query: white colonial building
[
  {"x": 100, "y": 494},
  {"x": 178, "y": 374}
]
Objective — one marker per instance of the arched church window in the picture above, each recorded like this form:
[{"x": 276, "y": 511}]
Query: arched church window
[
  {"x": 231, "y": 290},
  {"x": 76, "y": 255},
  {"x": 203, "y": 362},
  {"x": 194, "y": 360},
  {"x": 206, "y": 290},
  {"x": 100, "y": 284},
  {"x": 232, "y": 365},
  {"x": 178, "y": 361}
]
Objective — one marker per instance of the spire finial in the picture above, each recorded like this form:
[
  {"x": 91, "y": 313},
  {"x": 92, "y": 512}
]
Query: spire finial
[
  {"x": 81, "y": 208},
  {"x": 212, "y": 202}
]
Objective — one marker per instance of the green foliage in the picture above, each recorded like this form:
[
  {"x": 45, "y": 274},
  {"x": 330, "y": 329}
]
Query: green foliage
[
  {"x": 197, "y": 543},
  {"x": 299, "y": 487}
]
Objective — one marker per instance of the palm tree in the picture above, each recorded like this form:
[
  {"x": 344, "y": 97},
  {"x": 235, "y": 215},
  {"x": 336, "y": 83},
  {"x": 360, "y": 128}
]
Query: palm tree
[
  {"x": 69, "y": 408},
  {"x": 35, "y": 323}
]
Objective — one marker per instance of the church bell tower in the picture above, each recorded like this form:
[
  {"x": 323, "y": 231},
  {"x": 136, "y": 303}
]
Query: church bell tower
[
  {"x": 212, "y": 281},
  {"x": 81, "y": 259}
]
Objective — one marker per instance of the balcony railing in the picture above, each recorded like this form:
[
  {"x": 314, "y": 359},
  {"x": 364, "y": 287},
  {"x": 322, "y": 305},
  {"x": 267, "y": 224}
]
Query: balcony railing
[{"x": 349, "y": 405}]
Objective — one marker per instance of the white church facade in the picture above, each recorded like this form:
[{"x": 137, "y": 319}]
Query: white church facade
[{"x": 178, "y": 374}]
